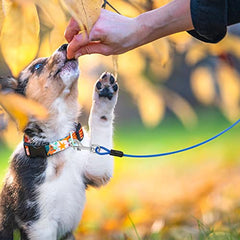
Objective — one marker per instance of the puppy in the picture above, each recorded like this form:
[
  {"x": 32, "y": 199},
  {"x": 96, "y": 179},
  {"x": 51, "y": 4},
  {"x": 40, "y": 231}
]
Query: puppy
[{"x": 44, "y": 191}]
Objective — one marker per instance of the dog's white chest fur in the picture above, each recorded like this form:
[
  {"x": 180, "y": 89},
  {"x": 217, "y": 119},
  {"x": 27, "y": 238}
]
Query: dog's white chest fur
[{"x": 62, "y": 195}]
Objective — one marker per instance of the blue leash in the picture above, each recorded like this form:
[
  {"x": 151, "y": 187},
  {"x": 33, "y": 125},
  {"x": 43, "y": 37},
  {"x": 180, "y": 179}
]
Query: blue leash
[{"x": 105, "y": 151}]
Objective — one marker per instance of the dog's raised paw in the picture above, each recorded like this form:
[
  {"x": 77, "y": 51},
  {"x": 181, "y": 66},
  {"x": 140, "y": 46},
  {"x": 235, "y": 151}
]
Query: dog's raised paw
[{"x": 106, "y": 86}]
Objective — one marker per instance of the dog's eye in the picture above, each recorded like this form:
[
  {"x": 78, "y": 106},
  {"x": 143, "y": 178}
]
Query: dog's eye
[{"x": 38, "y": 66}]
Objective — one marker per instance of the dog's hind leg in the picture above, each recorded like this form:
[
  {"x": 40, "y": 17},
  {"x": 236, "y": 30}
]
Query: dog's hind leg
[
  {"x": 98, "y": 169},
  {"x": 6, "y": 218},
  {"x": 6, "y": 235},
  {"x": 6, "y": 230},
  {"x": 68, "y": 236}
]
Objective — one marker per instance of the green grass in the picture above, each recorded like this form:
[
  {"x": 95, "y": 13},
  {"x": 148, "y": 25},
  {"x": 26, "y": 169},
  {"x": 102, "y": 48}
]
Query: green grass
[
  {"x": 16, "y": 235},
  {"x": 134, "y": 138},
  {"x": 5, "y": 153},
  {"x": 171, "y": 135}
]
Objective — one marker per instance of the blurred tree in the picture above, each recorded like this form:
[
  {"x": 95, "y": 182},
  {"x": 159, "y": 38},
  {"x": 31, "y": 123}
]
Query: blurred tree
[{"x": 35, "y": 28}]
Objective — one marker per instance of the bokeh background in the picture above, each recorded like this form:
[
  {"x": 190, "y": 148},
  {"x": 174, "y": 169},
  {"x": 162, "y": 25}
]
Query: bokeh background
[{"x": 174, "y": 92}]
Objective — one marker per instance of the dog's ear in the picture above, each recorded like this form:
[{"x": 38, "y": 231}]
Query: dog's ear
[{"x": 8, "y": 84}]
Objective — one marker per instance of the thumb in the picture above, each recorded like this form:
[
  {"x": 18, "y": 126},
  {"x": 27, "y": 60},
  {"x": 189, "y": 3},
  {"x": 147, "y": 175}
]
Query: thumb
[{"x": 77, "y": 42}]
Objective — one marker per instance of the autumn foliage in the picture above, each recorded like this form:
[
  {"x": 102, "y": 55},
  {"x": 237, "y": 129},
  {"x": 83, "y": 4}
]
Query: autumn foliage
[
  {"x": 35, "y": 28},
  {"x": 163, "y": 193}
]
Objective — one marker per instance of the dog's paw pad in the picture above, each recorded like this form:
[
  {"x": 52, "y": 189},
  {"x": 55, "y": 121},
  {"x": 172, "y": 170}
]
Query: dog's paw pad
[{"x": 106, "y": 86}]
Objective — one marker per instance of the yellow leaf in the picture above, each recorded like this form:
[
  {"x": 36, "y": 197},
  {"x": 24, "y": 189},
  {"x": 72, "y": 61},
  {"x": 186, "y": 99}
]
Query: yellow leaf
[
  {"x": 11, "y": 135},
  {"x": 133, "y": 10},
  {"x": 228, "y": 44},
  {"x": 21, "y": 109},
  {"x": 181, "y": 40},
  {"x": 151, "y": 105},
  {"x": 23, "y": 2},
  {"x": 158, "y": 4},
  {"x": 161, "y": 48},
  {"x": 56, "y": 39},
  {"x": 229, "y": 86},
  {"x": 85, "y": 12},
  {"x": 162, "y": 71},
  {"x": 180, "y": 107},
  {"x": 149, "y": 101},
  {"x": 196, "y": 53},
  {"x": 1, "y": 16},
  {"x": 45, "y": 49},
  {"x": 1, "y": 10},
  {"x": 159, "y": 53},
  {"x": 202, "y": 84},
  {"x": 133, "y": 62},
  {"x": 53, "y": 13},
  {"x": 6, "y": 5},
  {"x": 233, "y": 42},
  {"x": 20, "y": 36}
]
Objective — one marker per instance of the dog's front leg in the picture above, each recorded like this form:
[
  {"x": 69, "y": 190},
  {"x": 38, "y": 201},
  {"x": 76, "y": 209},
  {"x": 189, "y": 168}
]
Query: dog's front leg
[{"x": 99, "y": 169}]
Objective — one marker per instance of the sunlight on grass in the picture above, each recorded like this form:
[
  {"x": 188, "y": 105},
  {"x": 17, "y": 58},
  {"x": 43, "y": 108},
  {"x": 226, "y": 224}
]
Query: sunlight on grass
[{"x": 191, "y": 195}]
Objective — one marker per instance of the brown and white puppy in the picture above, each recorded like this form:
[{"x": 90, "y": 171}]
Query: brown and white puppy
[{"x": 44, "y": 197}]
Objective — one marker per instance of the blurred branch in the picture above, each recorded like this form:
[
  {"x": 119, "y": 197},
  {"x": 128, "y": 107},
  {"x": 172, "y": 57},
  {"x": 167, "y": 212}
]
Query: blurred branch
[{"x": 110, "y": 5}]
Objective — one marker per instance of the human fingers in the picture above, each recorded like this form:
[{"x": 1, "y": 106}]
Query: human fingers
[
  {"x": 71, "y": 30},
  {"x": 77, "y": 42},
  {"x": 94, "y": 47}
]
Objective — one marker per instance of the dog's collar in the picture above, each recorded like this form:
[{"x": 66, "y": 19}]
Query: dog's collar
[{"x": 54, "y": 147}]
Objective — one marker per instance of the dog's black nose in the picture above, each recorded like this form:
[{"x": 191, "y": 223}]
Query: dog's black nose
[{"x": 63, "y": 47}]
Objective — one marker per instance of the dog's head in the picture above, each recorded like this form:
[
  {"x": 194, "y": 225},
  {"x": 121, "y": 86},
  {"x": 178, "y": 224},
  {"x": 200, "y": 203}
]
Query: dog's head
[{"x": 47, "y": 79}]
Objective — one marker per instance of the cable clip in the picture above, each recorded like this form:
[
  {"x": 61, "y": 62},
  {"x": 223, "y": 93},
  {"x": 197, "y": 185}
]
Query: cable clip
[{"x": 77, "y": 145}]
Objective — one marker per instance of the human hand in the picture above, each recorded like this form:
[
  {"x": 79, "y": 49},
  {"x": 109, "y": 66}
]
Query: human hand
[
  {"x": 115, "y": 34},
  {"x": 112, "y": 34}
]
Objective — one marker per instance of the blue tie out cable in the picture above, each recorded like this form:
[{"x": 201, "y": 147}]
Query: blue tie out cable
[{"x": 105, "y": 151}]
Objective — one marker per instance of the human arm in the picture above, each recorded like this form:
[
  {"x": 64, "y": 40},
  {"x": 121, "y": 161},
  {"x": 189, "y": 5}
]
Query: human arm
[
  {"x": 116, "y": 34},
  {"x": 203, "y": 19}
]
